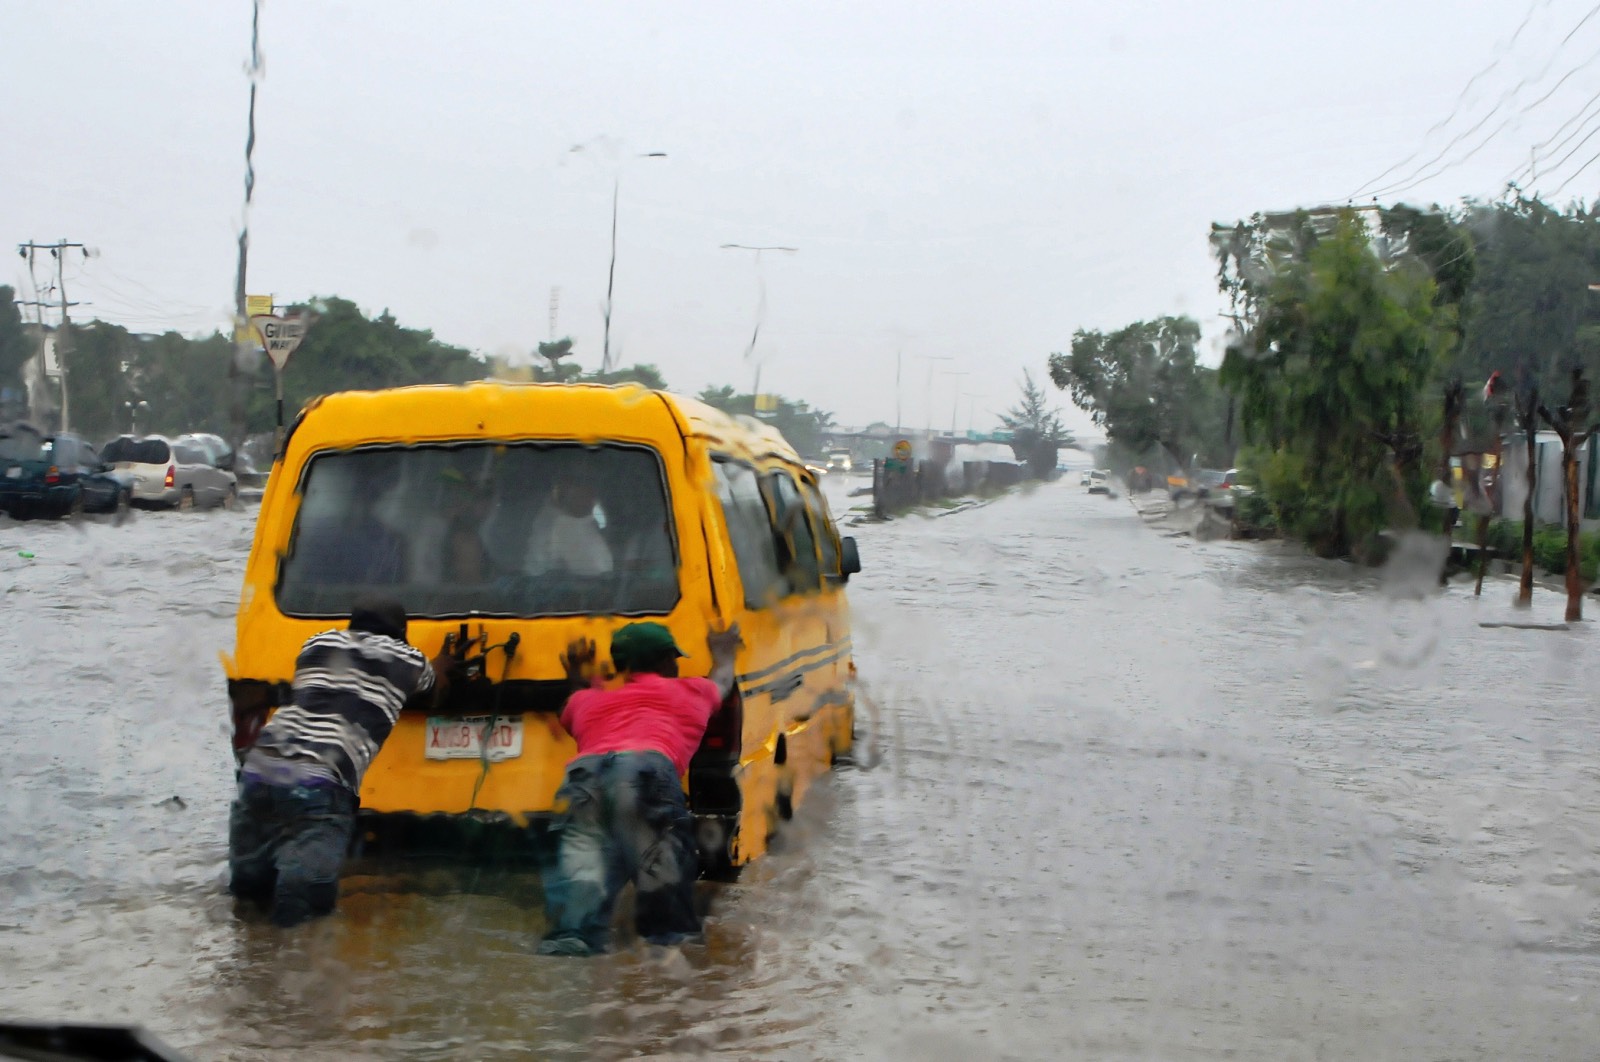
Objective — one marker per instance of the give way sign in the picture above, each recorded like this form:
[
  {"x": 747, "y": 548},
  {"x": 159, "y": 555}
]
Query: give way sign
[{"x": 280, "y": 335}]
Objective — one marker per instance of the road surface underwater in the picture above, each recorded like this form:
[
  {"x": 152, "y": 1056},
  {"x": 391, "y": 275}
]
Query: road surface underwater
[{"x": 1117, "y": 796}]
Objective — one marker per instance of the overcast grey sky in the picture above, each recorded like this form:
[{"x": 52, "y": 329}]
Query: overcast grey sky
[{"x": 970, "y": 181}]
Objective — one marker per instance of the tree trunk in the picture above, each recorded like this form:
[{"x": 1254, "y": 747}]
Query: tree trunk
[
  {"x": 1569, "y": 470},
  {"x": 1447, "y": 433},
  {"x": 1525, "y": 590},
  {"x": 1483, "y": 554}
]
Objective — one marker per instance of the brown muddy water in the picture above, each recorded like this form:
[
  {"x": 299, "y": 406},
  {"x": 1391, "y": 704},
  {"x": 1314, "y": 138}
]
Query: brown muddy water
[{"x": 1119, "y": 796}]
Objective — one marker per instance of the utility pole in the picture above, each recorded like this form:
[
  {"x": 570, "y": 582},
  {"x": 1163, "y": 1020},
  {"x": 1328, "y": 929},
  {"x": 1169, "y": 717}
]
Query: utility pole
[
  {"x": 58, "y": 251},
  {"x": 555, "y": 309},
  {"x": 899, "y": 356},
  {"x": 955, "y": 403},
  {"x": 244, "y": 345},
  {"x": 611, "y": 269},
  {"x": 930, "y": 359},
  {"x": 761, "y": 304}
]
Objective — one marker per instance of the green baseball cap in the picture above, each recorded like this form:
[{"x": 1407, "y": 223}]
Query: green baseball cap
[{"x": 642, "y": 643}]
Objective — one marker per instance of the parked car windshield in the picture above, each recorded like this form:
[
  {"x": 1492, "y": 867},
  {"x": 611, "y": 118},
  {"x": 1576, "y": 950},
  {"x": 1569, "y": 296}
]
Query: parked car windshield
[
  {"x": 136, "y": 451},
  {"x": 519, "y": 529}
]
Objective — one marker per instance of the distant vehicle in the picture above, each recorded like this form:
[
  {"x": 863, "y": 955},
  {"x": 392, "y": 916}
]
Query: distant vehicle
[
  {"x": 166, "y": 472},
  {"x": 1099, "y": 481},
  {"x": 109, "y": 490},
  {"x": 1226, "y": 490},
  {"x": 1083, "y": 480},
  {"x": 216, "y": 448},
  {"x": 1196, "y": 484},
  {"x": 54, "y": 475},
  {"x": 839, "y": 461}
]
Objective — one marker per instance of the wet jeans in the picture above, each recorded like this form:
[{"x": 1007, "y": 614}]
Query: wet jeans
[
  {"x": 286, "y": 844},
  {"x": 626, "y": 820}
]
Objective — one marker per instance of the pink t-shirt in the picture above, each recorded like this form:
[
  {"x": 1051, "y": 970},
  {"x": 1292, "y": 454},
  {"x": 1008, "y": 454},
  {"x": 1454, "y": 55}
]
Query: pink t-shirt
[{"x": 648, "y": 713}]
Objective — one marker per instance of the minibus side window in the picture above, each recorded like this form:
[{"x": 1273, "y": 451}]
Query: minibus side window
[
  {"x": 792, "y": 528},
  {"x": 745, "y": 513},
  {"x": 827, "y": 535}
]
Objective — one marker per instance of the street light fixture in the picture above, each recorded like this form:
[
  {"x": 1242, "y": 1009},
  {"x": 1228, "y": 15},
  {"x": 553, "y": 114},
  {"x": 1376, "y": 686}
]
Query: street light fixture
[
  {"x": 611, "y": 270},
  {"x": 761, "y": 301},
  {"x": 133, "y": 409}
]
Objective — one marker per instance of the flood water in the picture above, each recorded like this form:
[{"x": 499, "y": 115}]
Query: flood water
[{"x": 1119, "y": 795}]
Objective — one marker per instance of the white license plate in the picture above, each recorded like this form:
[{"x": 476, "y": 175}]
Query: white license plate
[
  {"x": 14, "y": 472},
  {"x": 464, "y": 739}
]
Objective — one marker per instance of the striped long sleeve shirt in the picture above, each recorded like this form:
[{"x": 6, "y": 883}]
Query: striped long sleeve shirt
[{"x": 349, "y": 687}]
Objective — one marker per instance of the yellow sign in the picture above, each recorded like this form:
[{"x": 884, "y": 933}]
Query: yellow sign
[
  {"x": 766, "y": 403},
  {"x": 254, "y": 306},
  {"x": 902, "y": 450}
]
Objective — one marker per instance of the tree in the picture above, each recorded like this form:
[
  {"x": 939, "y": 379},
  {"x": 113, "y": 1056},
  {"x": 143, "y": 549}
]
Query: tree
[
  {"x": 643, "y": 375},
  {"x": 1571, "y": 425},
  {"x": 1518, "y": 273},
  {"x": 794, "y": 419},
  {"x": 97, "y": 370},
  {"x": 1143, "y": 386},
  {"x": 15, "y": 346},
  {"x": 1036, "y": 429},
  {"x": 555, "y": 350},
  {"x": 1528, "y": 420},
  {"x": 1335, "y": 348},
  {"x": 344, "y": 350}
]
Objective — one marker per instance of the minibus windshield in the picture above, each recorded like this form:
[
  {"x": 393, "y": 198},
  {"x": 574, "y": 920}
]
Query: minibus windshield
[{"x": 491, "y": 529}]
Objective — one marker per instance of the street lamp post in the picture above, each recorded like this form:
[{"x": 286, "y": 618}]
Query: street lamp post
[
  {"x": 133, "y": 409},
  {"x": 611, "y": 270},
  {"x": 955, "y": 403},
  {"x": 930, "y": 359},
  {"x": 972, "y": 404},
  {"x": 761, "y": 303}
]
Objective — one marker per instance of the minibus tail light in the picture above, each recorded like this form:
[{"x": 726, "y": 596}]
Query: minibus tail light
[
  {"x": 172, "y": 475},
  {"x": 724, "y": 736}
]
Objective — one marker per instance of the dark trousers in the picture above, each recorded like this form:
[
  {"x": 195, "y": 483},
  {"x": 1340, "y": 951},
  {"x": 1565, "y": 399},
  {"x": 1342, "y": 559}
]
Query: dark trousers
[
  {"x": 626, "y": 819},
  {"x": 286, "y": 844}
]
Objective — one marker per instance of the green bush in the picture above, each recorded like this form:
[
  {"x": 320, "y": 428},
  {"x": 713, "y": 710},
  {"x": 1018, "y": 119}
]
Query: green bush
[
  {"x": 1254, "y": 513},
  {"x": 1549, "y": 547}
]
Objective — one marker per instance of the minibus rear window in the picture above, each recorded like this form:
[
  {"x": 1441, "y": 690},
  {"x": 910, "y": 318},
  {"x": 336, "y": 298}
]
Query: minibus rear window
[
  {"x": 491, "y": 529},
  {"x": 136, "y": 451}
]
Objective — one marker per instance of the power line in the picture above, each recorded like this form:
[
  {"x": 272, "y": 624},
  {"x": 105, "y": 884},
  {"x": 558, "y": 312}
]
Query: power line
[
  {"x": 1574, "y": 151},
  {"x": 1424, "y": 172},
  {"x": 1538, "y": 153},
  {"x": 1418, "y": 176},
  {"x": 1460, "y": 98},
  {"x": 1576, "y": 173}
]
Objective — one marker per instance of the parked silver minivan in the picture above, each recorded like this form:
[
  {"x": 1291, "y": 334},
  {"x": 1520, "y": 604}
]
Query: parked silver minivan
[{"x": 178, "y": 474}]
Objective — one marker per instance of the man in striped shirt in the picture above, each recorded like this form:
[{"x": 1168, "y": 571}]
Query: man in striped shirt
[{"x": 291, "y": 822}]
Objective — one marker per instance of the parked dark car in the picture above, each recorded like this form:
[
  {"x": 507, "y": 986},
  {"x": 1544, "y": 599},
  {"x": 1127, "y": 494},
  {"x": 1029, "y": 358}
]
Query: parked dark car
[
  {"x": 109, "y": 490},
  {"x": 55, "y": 475}
]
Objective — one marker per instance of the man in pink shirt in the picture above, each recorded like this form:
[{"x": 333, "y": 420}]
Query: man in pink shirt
[{"x": 626, "y": 815}]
